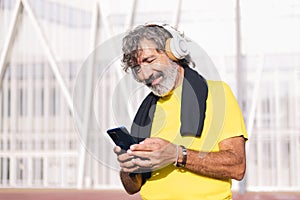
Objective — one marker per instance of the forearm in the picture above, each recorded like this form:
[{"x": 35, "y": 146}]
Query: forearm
[
  {"x": 228, "y": 162},
  {"x": 132, "y": 184},
  {"x": 220, "y": 165}
]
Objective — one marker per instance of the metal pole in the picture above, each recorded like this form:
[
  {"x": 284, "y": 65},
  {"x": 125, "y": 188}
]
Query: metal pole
[
  {"x": 49, "y": 54},
  {"x": 88, "y": 99},
  {"x": 178, "y": 14},
  {"x": 130, "y": 20},
  {"x": 239, "y": 74},
  {"x": 239, "y": 70},
  {"x": 8, "y": 42},
  {"x": 3, "y": 65}
]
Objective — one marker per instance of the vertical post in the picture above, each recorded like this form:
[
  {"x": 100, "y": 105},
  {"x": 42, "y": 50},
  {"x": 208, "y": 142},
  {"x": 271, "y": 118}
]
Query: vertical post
[
  {"x": 14, "y": 168},
  {"x": 239, "y": 73},
  {"x": 88, "y": 101},
  {"x": 178, "y": 14},
  {"x": 292, "y": 98},
  {"x": 296, "y": 124},
  {"x": 9, "y": 161},
  {"x": 130, "y": 20},
  {"x": 239, "y": 66},
  {"x": 278, "y": 134},
  {"x": 129, "y": 25},
  {"x": 46, "y": 124}
]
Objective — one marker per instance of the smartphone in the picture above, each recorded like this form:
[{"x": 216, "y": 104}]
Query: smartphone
[{"x": 121, "y": 137}]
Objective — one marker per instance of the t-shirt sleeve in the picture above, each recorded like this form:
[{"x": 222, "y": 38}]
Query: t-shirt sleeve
[{"x": 233, "y": 119}]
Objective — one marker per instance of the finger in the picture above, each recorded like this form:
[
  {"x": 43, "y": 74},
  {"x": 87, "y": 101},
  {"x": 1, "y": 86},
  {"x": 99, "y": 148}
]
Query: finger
[
  {"x": 131, "y": 166},
  {"x": 143, "y": 163},
  {"x": 137, "y": 169},
  {"x": 117, "y": 149},
  {"x": 152, "y": 140},
  {"x": 144, "y": 147},
  {"x": 150, "y": 144},
  {"x": 124, "y": 157},
  {"x": 142, "y": 154},
  {"x": 128, "y": 164}
]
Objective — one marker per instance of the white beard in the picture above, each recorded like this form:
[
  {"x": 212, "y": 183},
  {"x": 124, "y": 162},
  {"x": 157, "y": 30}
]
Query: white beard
[{"x": 167, "y": 84}]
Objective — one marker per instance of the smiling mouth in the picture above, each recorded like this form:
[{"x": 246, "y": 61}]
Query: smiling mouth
[{"x": 156, "y": 81}]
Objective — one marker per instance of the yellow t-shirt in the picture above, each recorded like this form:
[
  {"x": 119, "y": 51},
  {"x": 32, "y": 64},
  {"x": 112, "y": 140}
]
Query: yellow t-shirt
[{"x": 223, "y": 119}]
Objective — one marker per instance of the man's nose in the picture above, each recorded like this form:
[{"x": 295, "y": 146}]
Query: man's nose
[{"x": 146, "y": 72}]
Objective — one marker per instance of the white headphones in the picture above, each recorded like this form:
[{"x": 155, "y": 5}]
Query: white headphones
[{"x": 175, "y": 47}]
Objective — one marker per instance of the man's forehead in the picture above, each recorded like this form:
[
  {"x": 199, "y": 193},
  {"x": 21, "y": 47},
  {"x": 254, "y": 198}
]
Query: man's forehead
[
  {"x": 147, "y": 45},
  {"x": 147, "y": 48}
]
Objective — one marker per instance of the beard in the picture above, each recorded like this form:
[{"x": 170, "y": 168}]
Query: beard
[{"x": 169, "y": 76}]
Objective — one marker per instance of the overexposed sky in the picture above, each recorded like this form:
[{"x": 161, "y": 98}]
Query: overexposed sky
[{"x": 268, "y": 26}]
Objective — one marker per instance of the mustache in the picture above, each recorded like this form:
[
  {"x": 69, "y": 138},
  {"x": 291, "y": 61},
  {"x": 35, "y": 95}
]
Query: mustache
[{"x": 148, "y": 81}]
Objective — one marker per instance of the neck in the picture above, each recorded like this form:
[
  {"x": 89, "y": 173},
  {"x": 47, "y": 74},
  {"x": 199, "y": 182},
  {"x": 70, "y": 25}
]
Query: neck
[{"x": 179, "y": 78}]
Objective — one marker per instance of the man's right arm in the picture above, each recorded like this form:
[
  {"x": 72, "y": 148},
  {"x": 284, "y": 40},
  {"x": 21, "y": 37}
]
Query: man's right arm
[{"x": 131, "y": 182}]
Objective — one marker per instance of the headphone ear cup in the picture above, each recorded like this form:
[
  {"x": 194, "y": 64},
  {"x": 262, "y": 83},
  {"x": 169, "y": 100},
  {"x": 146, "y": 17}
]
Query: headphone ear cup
[
  {"x": 177, "y": 47},
  {"x": 169, "y": 51}
]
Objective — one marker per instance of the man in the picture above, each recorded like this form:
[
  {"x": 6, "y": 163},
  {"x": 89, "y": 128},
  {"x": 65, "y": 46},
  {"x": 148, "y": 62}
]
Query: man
[{"x": 194, "y": 129}]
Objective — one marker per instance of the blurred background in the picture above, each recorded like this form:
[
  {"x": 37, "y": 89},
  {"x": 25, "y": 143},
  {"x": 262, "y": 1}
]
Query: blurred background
[{"x": 254, "y": 45}]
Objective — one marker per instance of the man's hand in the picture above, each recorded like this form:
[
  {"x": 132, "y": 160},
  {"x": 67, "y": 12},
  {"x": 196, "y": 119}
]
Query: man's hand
[
  {"x": 125, "y": 160},
  {"x": 152, "y": 154}
]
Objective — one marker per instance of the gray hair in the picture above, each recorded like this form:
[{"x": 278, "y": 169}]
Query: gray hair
[{"x": 131, "y": 43}]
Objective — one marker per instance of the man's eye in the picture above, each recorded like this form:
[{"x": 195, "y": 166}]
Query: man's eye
[
  {"x": 150, "y": 60},
  {"x": 137, "y": 69}
]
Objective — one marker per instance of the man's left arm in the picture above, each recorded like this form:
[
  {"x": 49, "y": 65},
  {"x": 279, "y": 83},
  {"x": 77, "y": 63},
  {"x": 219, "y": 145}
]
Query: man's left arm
[{"x": 228, "y": 163}]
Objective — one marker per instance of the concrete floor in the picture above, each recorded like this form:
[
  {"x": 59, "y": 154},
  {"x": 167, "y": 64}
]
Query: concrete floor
[{"x": 19, "y": 194}]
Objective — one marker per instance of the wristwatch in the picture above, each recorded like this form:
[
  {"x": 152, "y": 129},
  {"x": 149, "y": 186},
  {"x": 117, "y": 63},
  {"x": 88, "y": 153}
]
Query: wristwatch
[{"x": 184, "y": 158}]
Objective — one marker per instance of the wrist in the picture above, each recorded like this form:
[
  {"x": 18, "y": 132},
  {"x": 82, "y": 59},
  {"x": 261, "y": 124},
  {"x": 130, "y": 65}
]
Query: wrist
[{"x": 176, "y": 155}]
